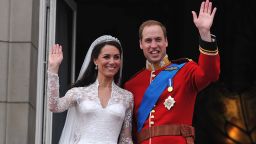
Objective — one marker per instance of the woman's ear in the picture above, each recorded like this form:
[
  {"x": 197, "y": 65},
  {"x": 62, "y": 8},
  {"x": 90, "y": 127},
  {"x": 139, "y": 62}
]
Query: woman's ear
[{"x": 95, "y": 61}]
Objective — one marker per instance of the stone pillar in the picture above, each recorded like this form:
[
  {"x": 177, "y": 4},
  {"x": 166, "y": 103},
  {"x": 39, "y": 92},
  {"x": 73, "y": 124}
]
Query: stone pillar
[{"x": 18, "y": 67}]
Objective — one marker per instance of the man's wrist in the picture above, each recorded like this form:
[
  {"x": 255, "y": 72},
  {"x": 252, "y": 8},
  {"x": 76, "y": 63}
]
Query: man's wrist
[
  {"x": 208, "y": 48},
  {"x": 205, "y": 35}
]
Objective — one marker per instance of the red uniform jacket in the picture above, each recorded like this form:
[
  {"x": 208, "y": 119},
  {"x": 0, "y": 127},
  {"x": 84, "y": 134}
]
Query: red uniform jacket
[{"x": 187, "y": 82}]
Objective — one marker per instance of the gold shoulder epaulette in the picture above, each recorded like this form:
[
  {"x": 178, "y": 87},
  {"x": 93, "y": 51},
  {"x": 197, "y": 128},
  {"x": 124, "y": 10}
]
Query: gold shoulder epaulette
[
  {"x": 189, "y": 59},
  {"x": 181, "y": 60}
]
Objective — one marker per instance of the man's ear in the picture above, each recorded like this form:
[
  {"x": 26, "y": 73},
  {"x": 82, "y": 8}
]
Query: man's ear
[
  {"x": 166, "y": 42},
  {"x": 140, "y": 44}
]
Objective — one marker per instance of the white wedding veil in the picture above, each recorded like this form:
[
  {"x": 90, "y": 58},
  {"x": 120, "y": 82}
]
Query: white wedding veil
[{"x": 69, "y": 135}]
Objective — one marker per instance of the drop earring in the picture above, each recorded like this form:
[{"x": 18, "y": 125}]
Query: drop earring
[{"x": 96, "y": 67}]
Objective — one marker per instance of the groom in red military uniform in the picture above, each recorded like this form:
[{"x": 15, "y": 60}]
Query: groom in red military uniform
[{"x": 165, "y": 91}]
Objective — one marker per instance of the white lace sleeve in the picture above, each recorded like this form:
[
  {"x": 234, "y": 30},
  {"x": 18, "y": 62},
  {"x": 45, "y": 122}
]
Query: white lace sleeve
[
  {"x": 55, "y": 103},
  {"x": 125, "y": 135}
]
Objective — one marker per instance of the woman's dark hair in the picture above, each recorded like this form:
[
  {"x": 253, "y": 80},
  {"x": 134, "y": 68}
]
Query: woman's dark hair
[{"x": 91, "y": 73}]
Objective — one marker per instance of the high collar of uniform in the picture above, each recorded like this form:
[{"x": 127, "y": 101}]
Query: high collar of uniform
[{"x": 152, "y": 67}]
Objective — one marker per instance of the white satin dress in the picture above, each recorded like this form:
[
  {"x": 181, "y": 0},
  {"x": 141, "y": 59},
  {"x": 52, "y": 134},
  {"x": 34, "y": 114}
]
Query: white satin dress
[{"x": 87, "y": 121}]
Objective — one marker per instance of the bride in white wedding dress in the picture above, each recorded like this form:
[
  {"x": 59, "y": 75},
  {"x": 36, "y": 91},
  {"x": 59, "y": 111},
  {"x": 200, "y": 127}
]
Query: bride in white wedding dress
[{"x": 99, "y": 111}]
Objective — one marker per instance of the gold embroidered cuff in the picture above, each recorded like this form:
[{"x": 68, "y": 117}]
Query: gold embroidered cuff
[{"x": 208, "y": 52}]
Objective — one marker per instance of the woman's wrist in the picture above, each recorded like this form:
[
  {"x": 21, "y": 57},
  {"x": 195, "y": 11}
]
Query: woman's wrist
[{"x": 53, "y": 69}]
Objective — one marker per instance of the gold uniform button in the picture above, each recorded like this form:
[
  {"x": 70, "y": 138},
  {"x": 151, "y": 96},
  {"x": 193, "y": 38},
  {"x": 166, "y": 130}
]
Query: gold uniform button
[
  {"x": 153, "y": 111},
  {"x": 151, "y": 122}
]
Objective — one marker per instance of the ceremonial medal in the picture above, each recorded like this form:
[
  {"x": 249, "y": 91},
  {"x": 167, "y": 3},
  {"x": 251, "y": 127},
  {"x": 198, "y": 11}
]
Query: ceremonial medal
[
  {"x": 170, "y": 89},
  {"x": 169, "y": 102}
]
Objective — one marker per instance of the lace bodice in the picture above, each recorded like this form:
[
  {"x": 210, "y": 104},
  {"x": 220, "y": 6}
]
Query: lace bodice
[{"x": 94, "y": 124}]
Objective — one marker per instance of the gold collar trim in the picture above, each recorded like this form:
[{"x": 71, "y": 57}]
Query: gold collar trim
[{"x": 152, "y": 67}]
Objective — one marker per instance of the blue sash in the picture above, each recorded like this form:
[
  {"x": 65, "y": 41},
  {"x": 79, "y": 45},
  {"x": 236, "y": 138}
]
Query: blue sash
[{"x": 153, "y": 92}]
